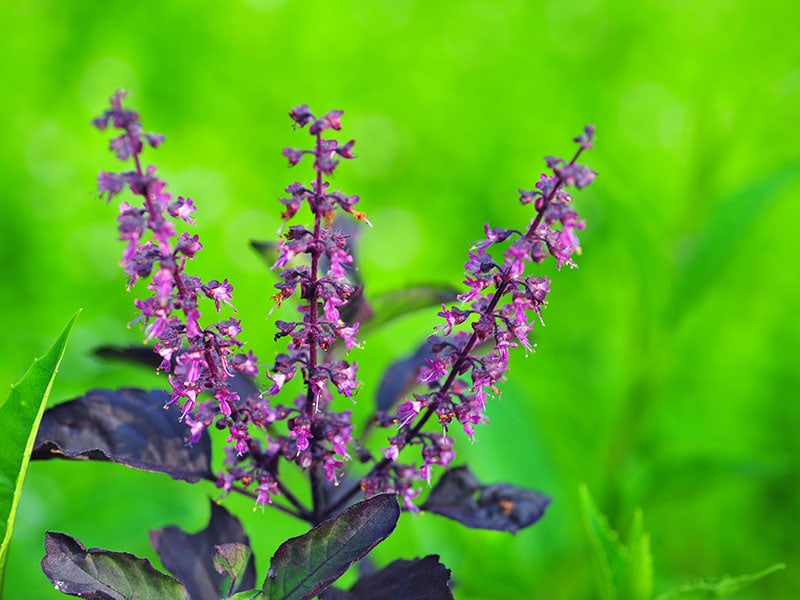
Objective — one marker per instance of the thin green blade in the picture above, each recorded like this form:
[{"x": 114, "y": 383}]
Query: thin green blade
[{"x": 20, "y": 414}]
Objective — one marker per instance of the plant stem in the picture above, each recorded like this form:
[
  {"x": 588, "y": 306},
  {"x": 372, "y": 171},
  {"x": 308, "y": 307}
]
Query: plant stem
[{"x": 312, "y": 398}]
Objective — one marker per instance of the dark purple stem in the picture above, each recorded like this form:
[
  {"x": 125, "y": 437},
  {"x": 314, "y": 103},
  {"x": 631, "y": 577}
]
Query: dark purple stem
[
  {"x": 313, "y": 310},
  {"x": 244, "y": 492}
]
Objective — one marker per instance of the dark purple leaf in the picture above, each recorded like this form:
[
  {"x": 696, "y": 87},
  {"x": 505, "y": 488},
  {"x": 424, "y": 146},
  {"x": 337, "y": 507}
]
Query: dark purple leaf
[
  {"x": 268, "y": 251},
  {"x": 459, "y": 495},
  {"x": 400, "y": 377},
  {"x": 333, "y": 593},
  {"x": 330, "y": 493},
  {"x": 102, "y": 574},
  {"x": 421, "y": 579},
  {"x": 357, "y": 309},
  {"x": 141, "y": 355},
  {"x": 352, "y": 231},
  {"x": 304, "y": 566},
  {"x": 240, "y": 383},
  {"x": 232, "y": 560},
  {"x": 128, "y": 426},
  {"x": 191, "y": 557}
]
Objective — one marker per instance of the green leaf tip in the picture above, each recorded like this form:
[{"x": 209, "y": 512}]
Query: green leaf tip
[
  {"x": 21, "y": 413},
  {"x": 624, "y": 572}
]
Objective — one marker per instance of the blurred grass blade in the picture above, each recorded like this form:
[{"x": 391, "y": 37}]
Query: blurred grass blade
[
  {"x": 624, "y": 572},
  {"x": 721, "y": 587},
  {"x": 20, "y": 414},
  {"x": 607, "y": 551},
  {"x": 638, "y": 580},
  {"x": 728, "y": 228}
]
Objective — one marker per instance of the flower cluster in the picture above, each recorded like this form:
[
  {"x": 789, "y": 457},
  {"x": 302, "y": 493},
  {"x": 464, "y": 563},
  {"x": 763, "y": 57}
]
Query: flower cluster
[
  {"x": 205, "y": 359},
  {"x": 319, "y": 436},
  {"x": 199, "y": 359},
  {"x": 500, "y": 300},
  {"x": 468, "y": 356}
]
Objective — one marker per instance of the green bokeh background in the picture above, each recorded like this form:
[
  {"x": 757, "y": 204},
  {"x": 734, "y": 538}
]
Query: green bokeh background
[{"x": 667, "y": 375}]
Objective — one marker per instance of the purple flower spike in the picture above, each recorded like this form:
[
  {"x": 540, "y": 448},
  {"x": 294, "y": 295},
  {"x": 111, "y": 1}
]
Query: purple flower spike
[
  {"x": 204, "y": 358},
  {"x": 500, "y": 299}
]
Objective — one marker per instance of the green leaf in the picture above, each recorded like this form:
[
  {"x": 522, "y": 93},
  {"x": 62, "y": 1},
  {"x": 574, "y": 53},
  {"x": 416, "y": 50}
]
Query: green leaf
[
  {"x": 102, "y": 574},
  {"x": 721, "y": 587},
  {"x": 608, "y": 552},
  {"x": 20, "y": 414},
  {"x": 388, "y": 306},
  {"x": 248, "y": 595},
  {"x": 623, "y": 572},
  {"x": 306, "y": 565},
  {"x": 638, "y": 577}
]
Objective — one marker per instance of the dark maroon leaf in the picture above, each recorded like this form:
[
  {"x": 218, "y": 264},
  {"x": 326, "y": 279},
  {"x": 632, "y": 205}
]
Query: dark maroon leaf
[
  {"x": 421, "y": 579},
  {"x": 352, "y": 230},
  {"x": 232, "y": 560},
  {"x": 190, "y": 557},
  {"x": 400, "y": 377},
  {"x": 459, "y": 495},
  {"x": 128, "y": 426},
  {"x": 102, "y": 574},
  {"x": 333, "y": 593},
  {"x": 141, "y": 355},
  {"x": 267, "y": 250},
  {"x": 357, "y": 309},
  {"x": 241, "y": 384},
  {"x": 304, "y": 566}
]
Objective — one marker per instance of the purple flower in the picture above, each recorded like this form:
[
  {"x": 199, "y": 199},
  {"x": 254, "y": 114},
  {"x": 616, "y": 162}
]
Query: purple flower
[
  {"x": 246, "y": 363},
  {"x": 218, "y": 292},
  {"x": 467, "y": 358},
  {"x": 293, "y": 155},
  {"x": 301, "y": 431},
  {"x": 182, "y": 209},
  {"x": 409, "y": 410},
  {"x": 110, "y": 184},
  {"x": 267, "y": 488},
  {"x": 433, "y": 370}
]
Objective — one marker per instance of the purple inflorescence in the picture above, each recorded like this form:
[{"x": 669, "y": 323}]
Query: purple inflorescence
[
  {"x": 208, "y": 369},
  {"x": 203, "y": 360},
  {"x": 200, "y": 359},
  {"x": 470, "y": 357}
]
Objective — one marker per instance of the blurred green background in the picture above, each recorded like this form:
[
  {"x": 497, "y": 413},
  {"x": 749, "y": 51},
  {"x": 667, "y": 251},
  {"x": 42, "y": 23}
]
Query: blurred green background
[{"x": 667, "y": 375}]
